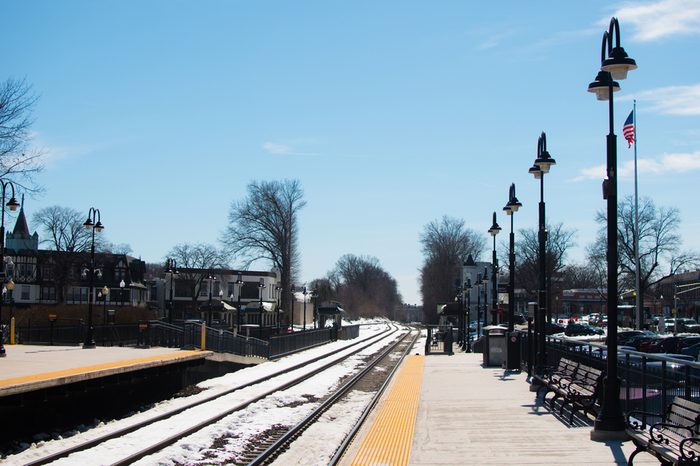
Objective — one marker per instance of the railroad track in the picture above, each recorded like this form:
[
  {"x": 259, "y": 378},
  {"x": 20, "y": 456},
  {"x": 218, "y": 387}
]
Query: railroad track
[
  {"x": 324, "y": 362},
  {"x": 272, "y": 448}
]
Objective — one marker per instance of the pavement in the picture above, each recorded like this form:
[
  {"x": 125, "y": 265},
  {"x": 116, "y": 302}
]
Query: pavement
[
  {"x": 30, "y": 367},
  {"x": 470, "y": 414}
]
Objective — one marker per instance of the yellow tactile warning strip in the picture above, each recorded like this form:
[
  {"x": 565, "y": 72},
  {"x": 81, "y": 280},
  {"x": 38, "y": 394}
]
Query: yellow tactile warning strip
[
  {"x": 113, "y": 366},
  {"x": 388, "y": 441}
]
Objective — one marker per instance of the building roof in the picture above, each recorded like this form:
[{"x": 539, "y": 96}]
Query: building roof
[{"x": 21, "y": 229}]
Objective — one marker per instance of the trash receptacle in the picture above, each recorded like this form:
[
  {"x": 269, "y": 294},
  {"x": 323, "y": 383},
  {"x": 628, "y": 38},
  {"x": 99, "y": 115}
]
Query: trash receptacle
[
  {"x": 513, "y": 353},
  {"x": 494, "y": 345}
]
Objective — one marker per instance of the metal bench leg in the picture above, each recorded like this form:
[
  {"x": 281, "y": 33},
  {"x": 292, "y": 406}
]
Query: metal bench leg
[{"x": 634, "y": 453}]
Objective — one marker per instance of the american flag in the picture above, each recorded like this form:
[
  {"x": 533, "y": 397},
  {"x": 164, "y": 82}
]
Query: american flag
[{"x": 628, "y": 129}]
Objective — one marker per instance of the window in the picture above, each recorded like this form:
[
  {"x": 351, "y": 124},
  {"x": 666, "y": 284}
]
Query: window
[
  {"x": 204, "y": 289},
  {"x": 47, "y": 293},
  {"x": 25, "y": 292},
  {"x": 47, "y": 271}
]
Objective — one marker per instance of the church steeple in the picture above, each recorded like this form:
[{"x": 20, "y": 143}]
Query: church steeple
[
  {"x": 20, "y": 239},
  {"x": 21, "y": 230}
]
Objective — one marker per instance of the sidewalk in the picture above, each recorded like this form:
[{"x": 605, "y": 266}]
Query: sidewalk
[{"x": 469, "y": 414}]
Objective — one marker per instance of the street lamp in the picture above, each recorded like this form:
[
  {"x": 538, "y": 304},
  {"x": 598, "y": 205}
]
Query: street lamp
[
  {"x": 303, "y": 325},
  {"x": 542, "y": 164},
  {"x": 511, "y": 207},
  {"x": 261, "y": 285},
  {"x": 94, "y": 224},
  {"x": 467, "y": 289},
  {"x": 239, "y": 282},
  {"x": 278, "y": 291},
  {"x": 493, "y": 231},
  {"x": 614, "y": 65},
  {"x": 104, "y": 293},
  {"x": 121, "y": 290},
  {"x": 211, "y": 279},
  {"x": 12, "y": 204},
  {"x": 171, "y": 268}
]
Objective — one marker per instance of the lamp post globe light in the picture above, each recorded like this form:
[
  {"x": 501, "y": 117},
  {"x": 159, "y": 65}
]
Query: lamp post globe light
[
  {"x": 615, "y": 64},
  {"x": 171, "y": 268},
  {"x": 93, "y": 224},
  {"x": 542, "y": 165},
  {"x": 493, "y": 231},
  {"x": 12, "y": 204}
]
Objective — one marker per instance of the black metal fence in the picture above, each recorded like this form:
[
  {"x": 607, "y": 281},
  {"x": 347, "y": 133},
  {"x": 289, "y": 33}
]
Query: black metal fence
[
  {"x": 283, "y": 345},
  {"x": 648, "y": 381},
  {"x": 188, "y": 336},
  {"x": 439, "y": 340},
  {"x": 104, "y": 335}
]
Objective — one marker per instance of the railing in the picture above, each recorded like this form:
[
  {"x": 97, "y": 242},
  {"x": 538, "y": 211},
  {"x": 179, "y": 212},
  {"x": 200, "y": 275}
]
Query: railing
[
  {"x": 438, "y": 340},
  {"x": 283, "y": 345},
  {"x": 105, "y": 335},
  {"x": 648, "y": 381},
  {"x": 223, "y": 341}
]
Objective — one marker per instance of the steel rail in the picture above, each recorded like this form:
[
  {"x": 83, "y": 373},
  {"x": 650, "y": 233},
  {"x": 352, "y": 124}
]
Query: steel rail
[
  {"x": 93, "y": 442},
  {"x": 273, "y": 450}
]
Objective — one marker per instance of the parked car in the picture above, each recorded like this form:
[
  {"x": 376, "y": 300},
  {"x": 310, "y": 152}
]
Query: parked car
[
  {"x": 661, "y": 345},
  {"x": 692, "y": 350},
  {"x": 685, "y": 324},
  {"x": 578, "y": 330},
  {"x": 637, "y": 341},
  {"x": 627, "y": 337},
  {"x": 552, "y": 328},
  {"x": 685, "y": 342}
]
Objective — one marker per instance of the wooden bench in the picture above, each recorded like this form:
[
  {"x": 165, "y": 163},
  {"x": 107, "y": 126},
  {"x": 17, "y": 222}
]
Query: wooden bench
[
  {"x": 575, "y": 384},
  {"x": 674, "y": 439}
]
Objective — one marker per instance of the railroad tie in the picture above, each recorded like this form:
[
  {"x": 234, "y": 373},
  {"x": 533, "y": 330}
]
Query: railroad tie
[{"x": 389, "y": 439}]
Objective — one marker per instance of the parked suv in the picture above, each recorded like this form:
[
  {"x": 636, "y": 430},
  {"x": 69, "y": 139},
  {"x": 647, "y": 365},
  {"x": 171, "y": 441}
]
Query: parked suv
[{"x": 685, "y": 324}]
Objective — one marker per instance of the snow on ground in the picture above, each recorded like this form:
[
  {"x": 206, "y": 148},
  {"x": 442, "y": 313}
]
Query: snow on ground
[{"x": 254, "y": 420}]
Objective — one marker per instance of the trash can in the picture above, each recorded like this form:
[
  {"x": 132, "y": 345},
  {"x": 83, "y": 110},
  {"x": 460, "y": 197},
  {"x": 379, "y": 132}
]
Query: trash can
[
  {"x": 494, "y": 345},
  {"x": 513, "y": 353}
]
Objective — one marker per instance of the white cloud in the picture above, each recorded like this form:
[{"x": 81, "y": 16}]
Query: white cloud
[
  {"x": 287, "y": 148},
  {"x": 276, "y": 148},
  {"x": 668, "y": 163},
  {"x": 671, "y": 100},
  {"x": 660, "y": 19}
]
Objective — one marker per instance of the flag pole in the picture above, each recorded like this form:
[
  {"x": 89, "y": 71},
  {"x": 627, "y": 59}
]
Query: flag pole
[{"x": 638, "y": 301}]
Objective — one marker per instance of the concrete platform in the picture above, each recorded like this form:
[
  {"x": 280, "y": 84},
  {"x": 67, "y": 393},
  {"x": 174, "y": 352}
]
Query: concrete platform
[
  {"x": 28, "y": 368},
  {"x": 470, "y": 414}
]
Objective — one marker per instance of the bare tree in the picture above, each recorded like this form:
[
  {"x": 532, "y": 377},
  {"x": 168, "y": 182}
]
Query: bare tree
[
  {"x": 660, "y": 254},
  {"x": 559, "y": 241},
  {"x": 364, "y": 287},
  {"x": 194, "y": 262},
  {"x": 62, "y": 230},
  {"x": 17, "y": 160},
  {"x": 446, "y": 244},
  {"x": 264, "y": 226}
]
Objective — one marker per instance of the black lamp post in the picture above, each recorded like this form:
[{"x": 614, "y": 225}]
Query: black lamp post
[
  {"x": 121, "y": 291},
  {"x": 12, "y": 204},
  {"x": 467, "y": 289},
  {"x": 493, "y": 231},
  {"x": 261, "y": 285},
  {"x": 239, "y": 282},
  {"x": 479, "y": 282},
  {"x": 304, "y": 292},
  {"x": 211, "y": 278},
  {"x": 104, "y": 293},
  {"x": 511, "y": 207},
  {"x": 171, "y": 268},
  {"x": 94, "y": 224},
  {"x": 278, "y": 291},
  {"x": 614, "y": 65},
  {"x": 542, "y": 164}
]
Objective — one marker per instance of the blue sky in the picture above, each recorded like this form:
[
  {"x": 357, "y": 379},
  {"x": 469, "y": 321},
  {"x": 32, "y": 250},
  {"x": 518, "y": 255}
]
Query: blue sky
[{"x": 390, "y": 113}]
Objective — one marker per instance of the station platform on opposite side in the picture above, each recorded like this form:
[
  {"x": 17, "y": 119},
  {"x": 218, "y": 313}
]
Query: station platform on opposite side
[
  {"x": 28, "y": 368},
  {"x": 452, "y": 410}
]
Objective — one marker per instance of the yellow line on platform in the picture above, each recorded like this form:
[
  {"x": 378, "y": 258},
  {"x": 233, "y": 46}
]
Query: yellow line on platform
[
  {"x": 94, "y": 368},
  {"x": 388, "y": 441}
]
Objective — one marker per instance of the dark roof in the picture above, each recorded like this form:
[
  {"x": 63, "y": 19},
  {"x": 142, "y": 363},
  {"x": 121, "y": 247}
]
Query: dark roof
[
  {"x": 470, "y": 261},
  {"x": 330, "y": 310},
  {"x": 21, "y": 228}
]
